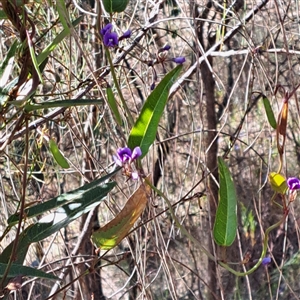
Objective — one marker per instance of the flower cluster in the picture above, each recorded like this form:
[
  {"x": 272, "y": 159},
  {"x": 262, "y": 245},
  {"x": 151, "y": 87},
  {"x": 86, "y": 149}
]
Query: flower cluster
[
  {"x": 162, "y": 56},
  {"x": 125, "y": 157},
  {"x": 162, "y": 53},
  {"x": 111, "y": 38}
]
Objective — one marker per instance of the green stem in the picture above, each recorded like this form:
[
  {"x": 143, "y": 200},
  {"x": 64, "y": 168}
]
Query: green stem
[
  {"x": 209, "y": 255},
  {"x": 130, "y": 118},
  {"x": 263, "y": 253}
]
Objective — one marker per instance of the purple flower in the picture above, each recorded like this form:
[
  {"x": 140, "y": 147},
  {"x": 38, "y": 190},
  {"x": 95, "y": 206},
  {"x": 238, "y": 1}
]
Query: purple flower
[
  {"x": 126, "y": 35},
  {"x": 179, "y": 60},
  {"x": 136, "y": 153},
  {"x": 106, "y": 28},
  {"x": 125, "y": 155},
  {"x": 165, "y": 48},
  {"x": 293, "y": 183},
  {"x": 152, "y": 86},
  {"x": 266, "y": 261},
  {"x": 110, "y": 39}
]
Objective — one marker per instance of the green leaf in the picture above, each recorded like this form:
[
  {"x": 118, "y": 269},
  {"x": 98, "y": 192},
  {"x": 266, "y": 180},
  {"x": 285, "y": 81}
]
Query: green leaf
[
  {"x": 59, "y": 103},
  {"x": 78, "y": 195},
  {"x": 60, "y": 159},
  {"x": 63, "y": 14},
  {"x": 226, "y": 217},
  {"x": 16, "y": 270},
  {"x": 269, "y": 112},
  {"x": 45, "y": 53},
  {"x": 113, "y": 105},
  {"x": 144, "y": 130},
  {"x": 4, "y": 92},
  {"x": 3, "y": 15},
  {"x": 33, "y": 57},
  {"x": 65, "y": 214},
  {"x": 112, "y": 6},
  {"x": 25, "y": 239},
  {"x": 5, "y": 63}
]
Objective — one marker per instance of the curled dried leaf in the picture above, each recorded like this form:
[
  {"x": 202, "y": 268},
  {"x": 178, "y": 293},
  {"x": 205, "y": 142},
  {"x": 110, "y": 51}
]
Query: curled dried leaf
[{"x": 110, "y": 235}]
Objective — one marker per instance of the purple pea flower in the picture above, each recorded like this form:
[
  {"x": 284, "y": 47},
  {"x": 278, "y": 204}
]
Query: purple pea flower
[
  {"x": 179, "y": 60},
  {"x": 152, "y": 86},
  {"x": 106, "y": 28},
  {"x": 125, "y": 155},
  {"x": 293, "y": 183},
  {"x": 266, "y": 261},
  {"x": 136, "y": 153},
  {"x": 126, "y": 35},
  {"x": 110, "y": 39}
]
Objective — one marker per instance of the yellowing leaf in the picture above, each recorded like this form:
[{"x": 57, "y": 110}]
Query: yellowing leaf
[
  {"x": 117, "y": 229},
  {"x": 278, "y": 182}
]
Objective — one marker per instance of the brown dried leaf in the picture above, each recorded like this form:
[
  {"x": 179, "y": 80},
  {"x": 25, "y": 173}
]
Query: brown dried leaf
[{"x": 117, "y": 229}]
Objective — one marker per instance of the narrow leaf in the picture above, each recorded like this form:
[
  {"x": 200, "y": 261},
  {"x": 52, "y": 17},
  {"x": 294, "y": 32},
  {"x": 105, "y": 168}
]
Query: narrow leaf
[
  {"x": 33, "y": 57},
  {"x": 7, "y": 64},
  {"x": 45, "y": 53},
  {"x": 117, "y": 229},
  {"x": 60, "y": 159},
  {"x": 16, "y": 270},
  {"x": 144, "y": 130},
  {"x": 59, "y": 103},
  {"x": 269, "y": 112},
  {"x": 85, "y": 191},
  {"x": 226, "y": 217},
  {"x": 113, "y": 105},
  {"x": 4, "y": 92},
  {"x": 61, "y": 218},
  {"x": 63, "y": 14},
  {"x": 24, "y": 241},
  {"x": 281, "y": 128}
]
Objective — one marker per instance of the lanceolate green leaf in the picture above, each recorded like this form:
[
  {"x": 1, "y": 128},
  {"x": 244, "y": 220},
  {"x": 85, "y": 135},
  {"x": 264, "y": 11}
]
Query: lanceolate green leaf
[
  {"x": 16, "y": 270},
  {"x": 63, "y": 216},
  {"x": 226, "y": 217},
  {"x": 144, "y": 130},
  {"x": 5, "y": 63},
  {"x": 269, "y": 112},
  {"x": 78, "y": 195},
  {"x": 25, "y": 239},
  {"x": 59, "y": 103},
  {"x": 63, "y": 14},
  {"x": 45, "y": 53},
  {"x": 113, "y": 105}
]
